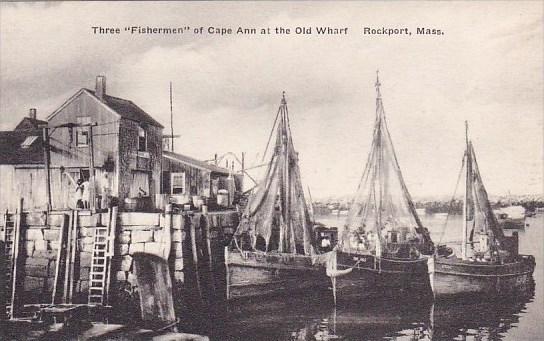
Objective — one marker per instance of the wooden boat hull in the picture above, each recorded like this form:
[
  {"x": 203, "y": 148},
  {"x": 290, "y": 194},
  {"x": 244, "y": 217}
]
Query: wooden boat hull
[
  {"x": 380, "y": 277},
  {"x": 511, "y": 224},
  {"x": 253, "y": 274},
  {"x": 452, "y": 277}
]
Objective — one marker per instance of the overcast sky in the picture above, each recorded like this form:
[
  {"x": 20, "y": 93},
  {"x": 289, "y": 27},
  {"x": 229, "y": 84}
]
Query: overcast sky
[{"x": 487, "y": 68}]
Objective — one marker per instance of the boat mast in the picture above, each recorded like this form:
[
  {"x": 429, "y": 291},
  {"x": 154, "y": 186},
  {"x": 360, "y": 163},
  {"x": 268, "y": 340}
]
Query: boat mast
[
  {"x": 287, "y": 180},
  {"x": 465, "y": 199},
  {"x": 379, "y": 112}
]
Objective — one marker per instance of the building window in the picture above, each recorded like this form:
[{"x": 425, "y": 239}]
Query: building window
[
  {"x": 142, "y": 139},
  {"x": 177, "y": 183},
  {"x": 82, "y": 133},
  {"x": 28, "y": 141}
]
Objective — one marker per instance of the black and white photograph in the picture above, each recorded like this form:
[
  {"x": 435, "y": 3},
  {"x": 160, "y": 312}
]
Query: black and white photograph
[{"x": 272, "y": 170}]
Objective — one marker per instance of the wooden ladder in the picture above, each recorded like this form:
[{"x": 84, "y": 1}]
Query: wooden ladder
[
  {"x": 8, "y": 236},
  {"x": 100, "y": 273}
]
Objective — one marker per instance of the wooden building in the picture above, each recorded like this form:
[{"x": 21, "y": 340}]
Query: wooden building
[
  {"x": 21, "y": 165},
  {"x": 182, "y": 174},
  {"x": 123, "y": 142}
]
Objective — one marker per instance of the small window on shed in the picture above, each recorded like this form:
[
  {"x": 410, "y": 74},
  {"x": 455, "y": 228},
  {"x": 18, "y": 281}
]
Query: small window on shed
[
  {"x": 82, "y": 133},
  {"x": 177, "y": 183},
  {"x": 142, "y": 139},
  {"x": 28, "y": 141}
]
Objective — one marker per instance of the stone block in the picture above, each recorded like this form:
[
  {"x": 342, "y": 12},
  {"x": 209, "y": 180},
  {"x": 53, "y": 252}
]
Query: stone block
[
  {"x": 34, "y": 234},
  {"x": 177, "y": 249},
  {"x": 37, "y": 261},
  {"x": 178, "y": 264},
  {"x": 139, "y": 218},
  {"x": 54, "y": 245},
  {"x": 121, "y": 276},
  {"x": 49, "y": 234},
  {"x": 55, "y": 220},
  {"x": 34, "y": 284},
  {"x": 126, "y": 263},
  {"x": 37, "y": 270},
  {"x": 84, "y": 272},
  {"x": 87, "y": 220},
  {"x": 142, "y": 236},
  {"x": 86, "y": 232},
  {"x": 52, "y": 268},
  {"x": 136, "y": 247},
  {"x": 49, "y": 283},
  {"x": 85, "y": 259},
  {"x": 83, "y": 247},
  {"x": 40, "y": 245},
  {"x": 29, "y": 248},
  {"x": 154, "y": 248},
  {"x": 178, "y": 236},
  {"x": 124, "y": 237},
  {"x": 48, "y": 254},
  {"x": 177, "y": 222},
  {"x": 35, "y": 219},
  {"x": 179, "y": 276}
]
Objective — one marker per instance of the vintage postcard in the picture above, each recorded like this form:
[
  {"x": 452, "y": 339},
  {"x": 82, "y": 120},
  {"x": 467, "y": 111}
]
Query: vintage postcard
[{"x": 286, "y": 170}]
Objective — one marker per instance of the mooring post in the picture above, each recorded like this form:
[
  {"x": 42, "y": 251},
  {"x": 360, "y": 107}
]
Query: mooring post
[{"x": 15, "y": 307}]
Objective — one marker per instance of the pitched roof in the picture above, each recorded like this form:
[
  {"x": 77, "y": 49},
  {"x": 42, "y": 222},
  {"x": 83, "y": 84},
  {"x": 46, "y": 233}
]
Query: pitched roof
[
  {"x": 12, "y": 152},
  {"x": 28, "y": 123},
  {"x": 127, "y": 109},
  {"x": 194, "y": 162}
]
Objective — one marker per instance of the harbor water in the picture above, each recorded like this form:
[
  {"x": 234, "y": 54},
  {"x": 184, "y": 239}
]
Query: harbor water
[{"x": 412, "y": 318}]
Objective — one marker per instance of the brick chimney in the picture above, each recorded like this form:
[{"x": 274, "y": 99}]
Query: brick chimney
[
  {"x": 100, "y": 90},
  {"x": 32, "y": 113}
]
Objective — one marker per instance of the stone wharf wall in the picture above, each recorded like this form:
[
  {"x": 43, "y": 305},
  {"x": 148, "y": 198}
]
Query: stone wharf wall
[{"x": 136, "y": 232}]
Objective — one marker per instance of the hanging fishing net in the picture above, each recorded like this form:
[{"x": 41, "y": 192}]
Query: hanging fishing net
[
  {"x": 277, "y": 217},
  {"x": 382, "y": 217}
]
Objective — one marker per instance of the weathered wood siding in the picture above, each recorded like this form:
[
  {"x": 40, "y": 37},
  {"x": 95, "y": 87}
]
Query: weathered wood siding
[
  {"x": 65, "y": 152},
  {"x": 132, "y": 163},
  {"x": 197, "y": 180},
  {"x": 29, "y": 183}
]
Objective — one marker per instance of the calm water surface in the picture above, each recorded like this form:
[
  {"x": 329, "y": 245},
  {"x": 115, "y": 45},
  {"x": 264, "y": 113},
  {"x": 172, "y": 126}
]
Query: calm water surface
[{"x": 311, "y": 318}]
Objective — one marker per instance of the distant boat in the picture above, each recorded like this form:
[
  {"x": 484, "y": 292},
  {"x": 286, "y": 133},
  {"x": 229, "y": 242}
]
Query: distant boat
[
  {"x": 511, "y": 217},
  {"x": 489, "y": 264},
  {"x": 383, "y": 248},
  {"x": 273, "y": 246}
]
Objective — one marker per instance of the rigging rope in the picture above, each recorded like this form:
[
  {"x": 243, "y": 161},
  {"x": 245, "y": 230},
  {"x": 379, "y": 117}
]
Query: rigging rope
[{"x": 451, "y": 201}]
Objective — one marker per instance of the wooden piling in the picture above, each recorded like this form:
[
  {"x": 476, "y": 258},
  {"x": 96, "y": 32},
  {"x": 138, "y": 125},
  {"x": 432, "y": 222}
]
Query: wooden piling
[
  {"x": 15, "y": 306},
  {"x": 61, "y": 241},
  {"x": 194, "y": 250}
]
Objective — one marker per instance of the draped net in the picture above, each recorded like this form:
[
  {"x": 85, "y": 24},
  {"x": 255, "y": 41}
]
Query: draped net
[
  {"x": 382, "y": 215},
  {"x": 277, "y": 210}
]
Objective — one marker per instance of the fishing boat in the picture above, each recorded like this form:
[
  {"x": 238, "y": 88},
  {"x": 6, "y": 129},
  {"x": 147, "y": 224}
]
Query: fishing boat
[
  {"x": 383, "y": 247},
  {"x": 273, "y": 248},
  {"x": 511, "y": 217},
  {"x": 489, "y": 264}
]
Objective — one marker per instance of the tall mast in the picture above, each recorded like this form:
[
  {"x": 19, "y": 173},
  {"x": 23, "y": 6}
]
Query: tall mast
[
  {"x": 285, "y": 134},
  {"x": 465, "y": 199},
  {"x": 379, "y": 168},
  {"x": 171, "y": 121}
]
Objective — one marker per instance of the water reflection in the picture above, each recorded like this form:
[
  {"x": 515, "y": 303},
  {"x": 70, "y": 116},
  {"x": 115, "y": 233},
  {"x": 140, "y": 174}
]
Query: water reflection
[
  {"x": 411, "y": 320},
  {"x": 315, "y": 318}
]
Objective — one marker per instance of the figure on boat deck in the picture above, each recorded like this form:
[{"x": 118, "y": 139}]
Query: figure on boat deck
[
  {"x": 277, "y": 250},
  {"x": 489, "y": 263},
  {"x": 383, "y": 247}
]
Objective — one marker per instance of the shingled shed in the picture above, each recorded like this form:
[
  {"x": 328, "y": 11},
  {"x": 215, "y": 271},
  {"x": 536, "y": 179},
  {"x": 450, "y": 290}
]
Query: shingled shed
[{"x": 21, "y": 165}]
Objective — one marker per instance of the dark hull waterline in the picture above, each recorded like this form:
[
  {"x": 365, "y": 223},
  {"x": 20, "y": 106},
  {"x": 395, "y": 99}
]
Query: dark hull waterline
[
  {"x": 384, "y": 277},
  {"x": 453, "y": 277},
  {"x": 256, "y": 274}
]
